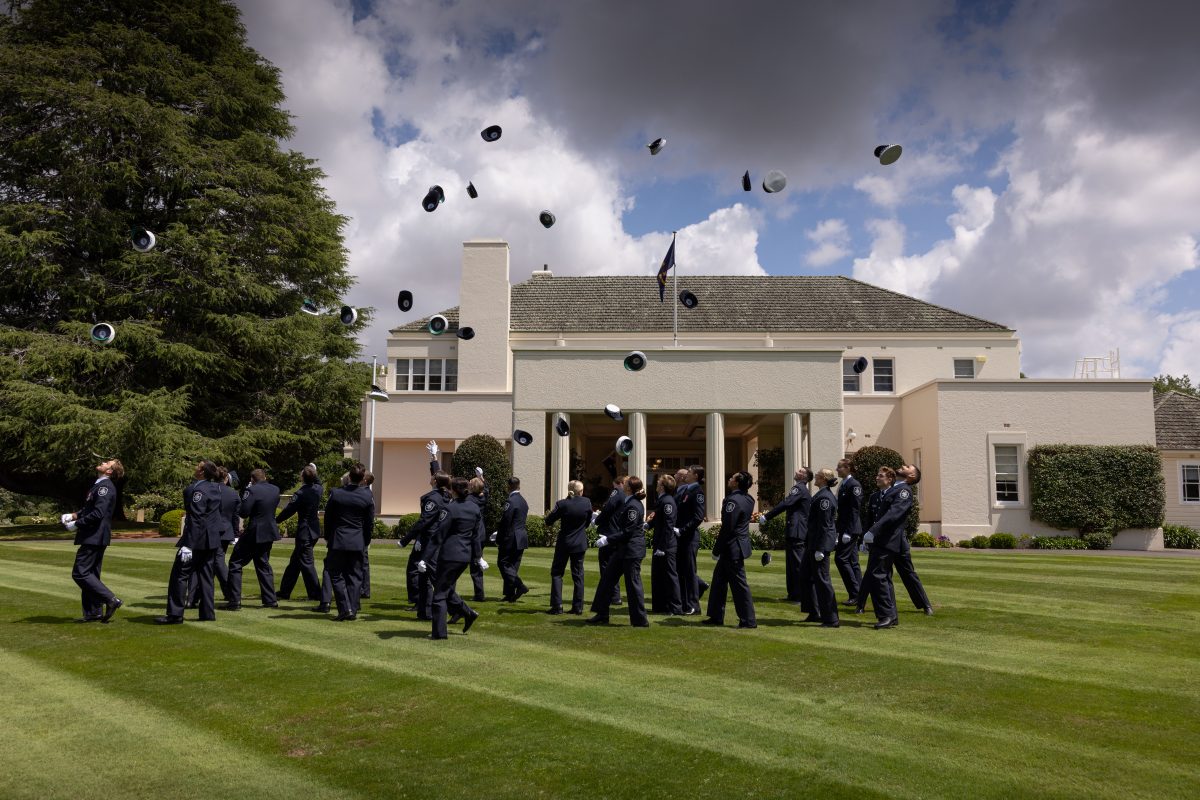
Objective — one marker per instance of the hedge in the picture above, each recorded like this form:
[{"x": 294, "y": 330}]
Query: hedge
[
  {"x": 1096, "y": 488},
  {"x": 405, "y": 522},
  {"x": 27, "y": 520},
  {"x": 1058, "y": 543},
  {"x": 923, "y": 539},
  {"x": 168, "y": 524},
  {"x": 1002, "y": 541},
  {"x": 383, "y": 530},
  {"x": 540, "y": 534},
  {"x": 1181, "y": 537},
  {"x": 487, "y": 453},
  {"x": 773, "y": 535},
  {"x": 867, "y": 461},
  {"x": 980, "y": 542}
]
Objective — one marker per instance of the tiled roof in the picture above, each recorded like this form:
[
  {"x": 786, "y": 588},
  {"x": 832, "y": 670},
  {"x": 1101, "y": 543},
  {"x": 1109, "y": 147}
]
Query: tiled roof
[
  {"x": 1177, "y": 421},
  {"x": 773, "y": 303}
]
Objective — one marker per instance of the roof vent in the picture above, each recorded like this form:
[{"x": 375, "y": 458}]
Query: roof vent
[{"x": 544, "y": 272}]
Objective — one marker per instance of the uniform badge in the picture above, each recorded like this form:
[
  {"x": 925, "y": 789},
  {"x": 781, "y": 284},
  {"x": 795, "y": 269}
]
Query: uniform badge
[
  {"x": 103, "y": 490},
  {"x": 429, "y": 505},
  {"x": 197, "y": 497},
  {"x": 905, "y": 494},
  {"x": 824, "y": 505},
  {"x": 442, "y": 515},
  {"x": 700, "y": 499},
  {"x": 668, "y": 509},
  {"x": 858, "y": 491},
  {"x": 631, "y": 514},
  {"x": 506, "y": 505},
  {"x": 729, "y": 507},
  {"x": 613, "y": 493},
  {"x": 795, "y": 490}
]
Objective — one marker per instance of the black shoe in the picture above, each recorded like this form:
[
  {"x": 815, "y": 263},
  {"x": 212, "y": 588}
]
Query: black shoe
[
  {"x": 887, "y": 623},
  {"x": 598, "y": 620},
  {"x": 554, "y": 612},
  {"x": 90, "y": 619},
  {"x": 454, "y": 618},
  {"x": 522, "y": 591},
  {"x": 346, "y": 617},
  {"x": 410, "y": 607},
  {"x": 233, "y": 607},
  {"x": 711, "y": 621},
  {"x": 703, "y": 589},
  {"x": 435, "y": 638},
  {"x": 168, "y": 620},
  {"x": 859, "y": 609},
  {"x": 321, "y": 609},
  {"x": 639, "y": 625},
  {"x": 929, "y": 611},
  {"x": 691, "y": 612},
  {"x": 110, "y": 608},
  {"x": 424, "y": 618},
  {"x": 286, "y": 597},
  {"x": 747, "y": 626},
  {"x": 834, "y": 624},
  {"x": 478, "y": 599},
  {"x": 849, "y": 603},
  {"x": 576, "y": 611},
  {"x": 812, "y": 618},
  {"x": 365, "y": 595},
  {"x": 617, "y": 603},
  {"x": 192, "y": 605},
  {"x": 471, "y": 617},
  {"x": 270, "y": 605}
]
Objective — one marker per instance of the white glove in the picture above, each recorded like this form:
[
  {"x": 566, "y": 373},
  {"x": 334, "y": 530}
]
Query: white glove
[
  {"x": 676, "y": 531},
  {"x": 185, "y": 554},
  {"x": 417, "y": 546},
  {"x": 71, "y": 525},
  {"x": 479, "y": 472},
  {"x": 66, "y": 518},
  {"x": 845, "y": 538},
  {"x": 868, "y": 537},
  {"x": 421, "y": 566},
  {"x": 602, "y": 541},
  {"x": 432, "y": 449},
  {"x": 235, "y": 540},
  {"x": 595, "y": 516},
  {"x": 819, "y": 556},
  {"x": 482, "y": 564},
  {"x": 660, "y": 553},
  {"x": 494, "y": 535}
]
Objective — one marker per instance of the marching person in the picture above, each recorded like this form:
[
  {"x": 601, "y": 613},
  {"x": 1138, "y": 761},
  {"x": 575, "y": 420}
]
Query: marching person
[
  {"x": 796, "y": 506},
  {"x": 691, "y": 511},
  {"x": 873, "y": 511},
  {"x": 606, "y": 524},
  {"x": 664, "y": 572},
  {"x": 849, "y": 529},
  {"x": 511, "y": 540},
  {"x": 304, "y": 504},
  {"x": 93, "y": 534},
  {"x": 910, "y": 475},
  {"x": 456, "y": 542},
  {"x": 197, "y": 546},
  {"x": 231, "y": 527},
  {"x": 432, "y": 503},
  {"x": 349, "y": 522},
  {"x": 259, "y": 533},
  {"x": 479, "y": 493},
  {"x": 731, "y": 551},
  {"x": 574, "y": 512},
  {"x": 822, "y": 539},
  {"x": 884, "y": 537},
  {"x": 628, "y": 549},
  {"x": 367, "y": 481}
]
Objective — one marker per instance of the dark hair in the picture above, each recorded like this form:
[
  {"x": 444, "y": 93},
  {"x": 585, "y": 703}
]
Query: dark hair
[
  {"x": 514, "y": 483},
  {"x": 368, "y": 478},
  {"x": 808, "y": 474},
  {"x": 258, "y": 476},
  {"x": 848, "y": 462},
  {"x": 458, "y": 485},
  {"x": 308, "y": 475},
  {"x": 916, "y": 478},
  {"x": 118, "y": 469},
  {"x": 441, "y": 480},
  {"x": 635, "y": 483},
  {"x": 668, "y": 482},
  {"x": 620, "y": 480},
  {"x": 222, "y": 473},
  {"x": 744, "y": 481},
  {"x": 888, "y": 471},
  {"x": 699, "y": 471},
  {"x": 356, "y": 472},
  {"x": 211, "y": 473}
]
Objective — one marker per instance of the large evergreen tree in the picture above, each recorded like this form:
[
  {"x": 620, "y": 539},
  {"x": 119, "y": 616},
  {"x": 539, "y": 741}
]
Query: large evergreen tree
[{"x": 116, "y": 114}]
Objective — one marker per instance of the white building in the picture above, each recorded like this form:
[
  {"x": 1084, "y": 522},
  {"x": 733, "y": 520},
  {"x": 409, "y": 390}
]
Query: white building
[{"x": 760, "y": 362}]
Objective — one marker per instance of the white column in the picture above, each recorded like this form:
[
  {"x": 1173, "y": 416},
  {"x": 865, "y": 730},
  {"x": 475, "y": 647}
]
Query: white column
[
  {"x": 793, "y": 445},
  {"x": 826, "y": 438},
  {"x": 529, "y": 463},
  {"x": 637, "y": 459},
  {"x": 714, "y": 463},
  {"x": 560, "y": 461},
  {"x": 806, "y": 441}
]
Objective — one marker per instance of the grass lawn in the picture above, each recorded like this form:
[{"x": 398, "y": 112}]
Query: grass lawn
[
  {"x": 1040, "y": 676},
  {"x": 50, "y": 531}
]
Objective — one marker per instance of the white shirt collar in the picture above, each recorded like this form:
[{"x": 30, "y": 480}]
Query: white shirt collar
[{"x": 102, "y": 477}]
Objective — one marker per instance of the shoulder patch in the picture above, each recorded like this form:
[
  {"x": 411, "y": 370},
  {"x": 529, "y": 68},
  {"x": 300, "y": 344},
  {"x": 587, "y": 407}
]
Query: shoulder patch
[
  {"x": 442, "y": 515},
  {"x": 507, "y": 505},
  {"x": 613, "y": 493},
  {"x": 103, "y": 490},
  {"x": 825, "y": 505},
  {"x": 700, "y": 498},
  {"x": 729, "y": 507},
  {"x": 197, "y": 497},
  {"x": 668, "y": 509},
  {"x": 858, "y": 491},
  {"x": 795, "y": 490},
  {"x": 905, "y": 494},
  {"x": 631, "y": 514},
  {"x": 429, "y": 504}
]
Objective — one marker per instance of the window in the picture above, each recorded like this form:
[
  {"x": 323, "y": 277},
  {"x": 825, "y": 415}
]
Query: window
[
  {"x": 418, "y": 375},
  {"x": 850, "y": 378},
  {"x": 435, "y": 374},
  {"x": 964, "y": 368},
  {"x": 451, "y": 375},
  {"x": 1008, "y": 466},
  {"x": 402, "y": 367},
  {"x": 421, "y": 374},
  {"x": 885, "y": 375},
  {"x": 1189, "y": 483}
]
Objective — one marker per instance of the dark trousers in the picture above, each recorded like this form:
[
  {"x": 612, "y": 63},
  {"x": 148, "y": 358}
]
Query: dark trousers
[
  {"x": 847, "y": 565},
  {"x": 245, "y": 552},
  {"x": 690, "y": 584},
  {"x": 908, "y": 575},
  {"x": 201, "y": 566},
  {"x": 794, "y": 573},
  {"x": 326, "y": 583},
  {"x": 664, "y": 584},
  {"x": 604, "y": 555},
  {"x": 366, "y": 572},
  {"x": 877, "y": 584},
  {"x": 89, "y": 558},
  {"x": 730, "y": 573},
  {"x": 426, "y": 586},
  {"x": 631, "y": 568},
  {"x": 824, "y": 599},
  {"x": 477, "y": 582},
  {"x": 345, "y": 577},
  {"x": 220, "y": 572},
  {"x": 510, "y": 564},
  {"x": 412, "y": 576},
  {"x": 557, "y": 570},
  {"x": 445, "y": 595},
  {"x": 301, "y": 564}
]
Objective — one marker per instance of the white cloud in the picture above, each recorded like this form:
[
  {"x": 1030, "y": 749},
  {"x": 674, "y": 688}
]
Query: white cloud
[{"x": 832, "y": 240}]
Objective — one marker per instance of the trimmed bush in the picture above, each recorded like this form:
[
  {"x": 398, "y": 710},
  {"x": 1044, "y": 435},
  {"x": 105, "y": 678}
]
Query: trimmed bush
[
  {"x": 593, "y": 533},
  {"x": 1002, "y": 541},
  {"x": 382, "y": 530},
  {"x": 1074, "y": 487},
  {"x": 923, "y": 539},
  {"x": 944, "y": 541},
  {"x": 708, "y": 538},
  {"x": 1181, "y": 537},
  {"x": 771, "y": 482},
  {"x": 1025, "y": 542},
  {"x": 540, "y": 534},
  {"x": 168, "y": 523},
  {"x": 404, "y": 524},
  {"x": 867, "y": 461},
  {"x": 980, "y": 542},
  {"x": 772, "y": 536},
  {"x": 288, "y": 526},
  {"x": 487, "y": 453},
  {"x": 27, "y": 520},
  {"x": 1058, "y": 543},
  {"x": 964, "y": 543},
  {"x": 1098, "y": 541}
]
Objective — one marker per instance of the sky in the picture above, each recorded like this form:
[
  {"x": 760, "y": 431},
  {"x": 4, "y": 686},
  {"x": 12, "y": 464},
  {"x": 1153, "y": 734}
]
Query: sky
[{"x": 1050, "y": 179}]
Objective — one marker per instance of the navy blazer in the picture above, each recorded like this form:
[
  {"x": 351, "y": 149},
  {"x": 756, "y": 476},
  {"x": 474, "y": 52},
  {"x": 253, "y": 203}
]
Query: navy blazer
[
  {"x": 305, "y": 504},
  {"x": 432, "y": 503},
  {"x": 231, "y": 504},
  {"x": 849, "y": 497},
  {"x": 666, "y": 520},
  {"x": 629, "y": 539},
  {"x": 512, "y": 534},
  {"x": 93, "y": 525},
  {"x": 892, "y": 518},
  {"x": 202, "y": 522},
  {"x": 691, "y": 511},
  {"x": 822, "y": 533},
  {"x": 349, "y": 518},
  {"x": 796, "y": 505},
  {"x": 574, "y": 514},
  {"x": 605, "y": 521},
  {"x": 734, "y": 539},
  {"x": 259, "y": 502},
  {"x": 456, "y": 537}
]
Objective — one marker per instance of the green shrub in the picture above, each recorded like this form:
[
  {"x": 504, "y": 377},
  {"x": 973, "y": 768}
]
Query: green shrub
[
  {"x": 708, "y": 538},
  {"x": 1072, "y": 487},
  {"x": 593, "y": 533},
  {"x": 1058, "y": 543},
  {"x": 771, "y": 481},
  {"x": 383, "y": 530},
  {"x": 944, "y": 541},
  {"x": 773, "y": 535},
  {"x": 1181, "y": 537},
  {"x": 1002, "y": 541},
  {"x": 405, "y": 522},
  {"x": 169, "y": 522},
  {"x": 1098, "y": 540},
  {"x": 923, "y": 539},
  {"x": 288, "y": 527},
  {"x": 540, "y": 534},
  {"x": 487, "y": 453},
  {"x": 27, "y": 520},
  {"x": 1025, "y": 542},
  {"x": 867, "y": 461},
  {"x": 980, "y": 542},
  {"x": 154, "y": 504},
  {"x": 964, "y": 543}
]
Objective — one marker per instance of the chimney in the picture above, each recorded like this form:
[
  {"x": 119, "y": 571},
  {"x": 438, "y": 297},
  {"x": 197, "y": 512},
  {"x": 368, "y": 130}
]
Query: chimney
[{"x": 544, "y": 272}]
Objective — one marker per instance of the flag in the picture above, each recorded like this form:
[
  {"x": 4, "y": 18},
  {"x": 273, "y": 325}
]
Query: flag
[{"x": 668, "y": 262}]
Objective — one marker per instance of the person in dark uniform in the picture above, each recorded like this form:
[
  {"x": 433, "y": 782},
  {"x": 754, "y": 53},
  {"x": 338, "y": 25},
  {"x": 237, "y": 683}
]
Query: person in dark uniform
[
  {"x": 259, "y": 533},
  {"x": 512, "y": 540},
  {"x": 849, "y": 529},
  {"x": 628, "y": 545},
  {"x": 910, "y": 475},
  {"x": 456, "y": 541},
  {"x": 691, "y": 511},
  {"x": 349, "y": 522},
  {"x": 432, "y": 503},
  {"x": 197, "y": 546},
  {"x": 93, "y": 534},
  {"x": 478, "y": 493},
  {"x": 731, "y": 551},
  {"x": 796, "y": 506},
  {"x": 573, "y": 513},
  {"x": 883, "y": 479},
  {"x": 367, "y": 482},
  {"x": 822, "y": 539},
  {"x": 664, "y": 571},
  {"x": 885, "y": 536},
  {"x": 606, "y": 524},
  {"x": 304, "y": 504},
  {"x": 231, "y": 527}
]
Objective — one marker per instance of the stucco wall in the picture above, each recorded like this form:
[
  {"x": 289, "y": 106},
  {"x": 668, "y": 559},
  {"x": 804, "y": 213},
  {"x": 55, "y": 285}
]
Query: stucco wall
[
  {"x": 875, "y": 421},
  {"x": 919, "y": 417},
  {"x": 1178, "y": 512},
  {"x": 485, "y": 362},
  {"x": 406, "y": 467},
  {"x": 440, "y": 415}
]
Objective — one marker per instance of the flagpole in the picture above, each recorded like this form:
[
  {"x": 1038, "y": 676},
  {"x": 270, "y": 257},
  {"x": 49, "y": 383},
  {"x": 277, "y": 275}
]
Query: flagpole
[{"x": 675, "y": 302}]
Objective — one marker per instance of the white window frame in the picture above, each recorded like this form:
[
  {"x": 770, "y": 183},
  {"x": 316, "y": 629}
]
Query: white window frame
[
  {"x": 874, "y": 362},
  {"x": 1183, "y": 465},
  {"x": 857, "y": 376},
  {"x": 958, "y": 361},
  {"x": 1008, "y": 439},
  {"x": 407, "y": 373},
  {"x": 425, "y": 376},
  {"x": 446, "y": 374}
]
